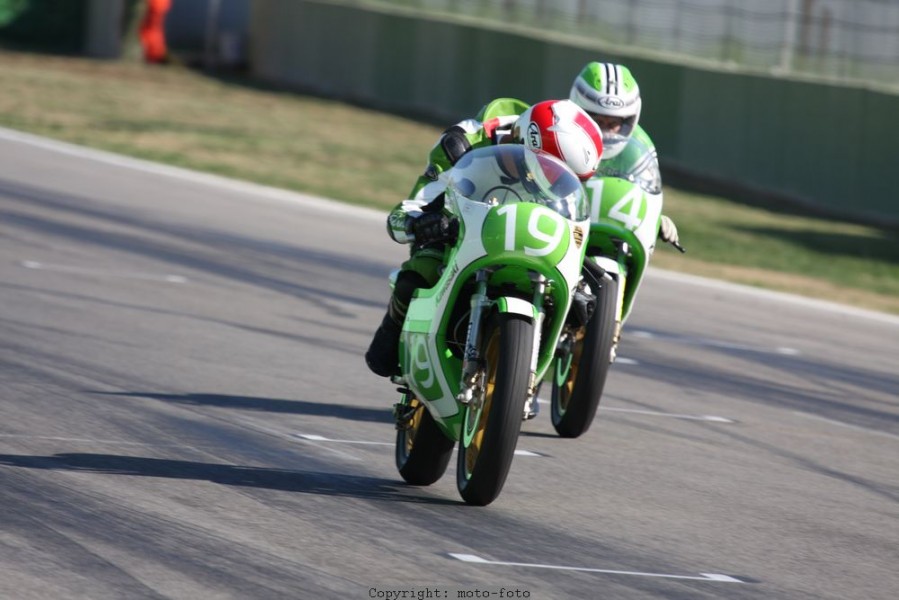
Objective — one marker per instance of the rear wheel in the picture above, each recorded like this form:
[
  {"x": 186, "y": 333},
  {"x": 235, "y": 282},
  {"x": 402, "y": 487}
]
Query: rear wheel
[
  {"x": 422, "y": 451},
  {"x": 492, "y": 421},
  {"x": 580, "y": 375}
]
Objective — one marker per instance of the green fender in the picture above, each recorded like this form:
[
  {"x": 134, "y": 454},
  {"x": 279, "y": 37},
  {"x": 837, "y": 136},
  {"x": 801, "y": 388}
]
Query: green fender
[{"x": 510, "y": 304}]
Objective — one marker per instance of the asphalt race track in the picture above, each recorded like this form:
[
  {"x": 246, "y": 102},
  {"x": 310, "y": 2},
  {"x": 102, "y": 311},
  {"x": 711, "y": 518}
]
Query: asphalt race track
[{"x": 185, "y": 413}]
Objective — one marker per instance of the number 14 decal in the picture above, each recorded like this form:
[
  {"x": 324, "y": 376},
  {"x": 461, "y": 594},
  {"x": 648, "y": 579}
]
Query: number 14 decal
[{"x": 626, "y": 210}]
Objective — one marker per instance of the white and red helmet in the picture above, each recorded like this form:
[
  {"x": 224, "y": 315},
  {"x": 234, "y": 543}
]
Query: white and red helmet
[{"x": 563, "y": 129}]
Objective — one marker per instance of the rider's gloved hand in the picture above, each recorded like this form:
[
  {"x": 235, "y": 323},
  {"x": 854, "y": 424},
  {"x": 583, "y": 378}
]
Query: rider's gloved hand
[
  {"x": 434, "y": 227},
  {"x": 668, "y": 233}
]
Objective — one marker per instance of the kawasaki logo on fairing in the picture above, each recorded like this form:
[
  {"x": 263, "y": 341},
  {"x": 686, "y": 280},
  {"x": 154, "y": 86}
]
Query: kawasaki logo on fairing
[{"x": 444, "y": 289}]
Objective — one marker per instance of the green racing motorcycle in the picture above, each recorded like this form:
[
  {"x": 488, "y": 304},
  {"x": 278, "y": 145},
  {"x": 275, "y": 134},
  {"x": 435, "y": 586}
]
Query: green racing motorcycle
[
  {"x": 474, "y": 347},
  {"x": 625, "y": 211}
]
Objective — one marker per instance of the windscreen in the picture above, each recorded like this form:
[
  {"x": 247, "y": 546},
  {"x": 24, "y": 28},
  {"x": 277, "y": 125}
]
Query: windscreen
[
  {"x": 515, "y": 173},
  {"x": 638, "y": 163}
]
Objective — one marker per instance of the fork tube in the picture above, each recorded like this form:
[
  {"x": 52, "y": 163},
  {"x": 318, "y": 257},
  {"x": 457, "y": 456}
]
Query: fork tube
[
  {"x": 539, "y": 293},
  {"x": 472, "y": 357}
]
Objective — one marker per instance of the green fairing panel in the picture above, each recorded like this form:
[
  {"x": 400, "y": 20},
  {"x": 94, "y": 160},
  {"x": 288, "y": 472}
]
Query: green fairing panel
[
  {"x": 636, "y": 259},
  {"x": 452, "y": 365}
]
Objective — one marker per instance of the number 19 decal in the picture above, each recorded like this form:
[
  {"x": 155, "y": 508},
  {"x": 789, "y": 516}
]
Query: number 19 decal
[
  {"x": 420, "y": 361},
  {"x": 550, "y": 241}
]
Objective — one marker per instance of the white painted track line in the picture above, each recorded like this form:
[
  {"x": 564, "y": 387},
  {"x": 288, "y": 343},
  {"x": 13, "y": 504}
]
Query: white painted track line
[
  {"x": 311, "y": 437},
  {"x": 712, "y": 577}
]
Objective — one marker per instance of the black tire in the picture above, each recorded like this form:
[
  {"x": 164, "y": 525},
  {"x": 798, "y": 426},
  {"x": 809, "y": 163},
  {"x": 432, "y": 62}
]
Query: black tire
[
  {"x": 484, "y": 459},
  {"x": 422, "y": 451},
  {"x": 575, "y": 401}
]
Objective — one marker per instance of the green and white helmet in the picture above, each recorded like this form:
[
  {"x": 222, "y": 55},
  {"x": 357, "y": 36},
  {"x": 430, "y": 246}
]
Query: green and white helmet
[{"x": 608, "y": 90}]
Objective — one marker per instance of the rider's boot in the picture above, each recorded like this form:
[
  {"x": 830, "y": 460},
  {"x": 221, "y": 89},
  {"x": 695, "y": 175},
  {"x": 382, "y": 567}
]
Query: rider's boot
[{"x": 382, "y": 356}]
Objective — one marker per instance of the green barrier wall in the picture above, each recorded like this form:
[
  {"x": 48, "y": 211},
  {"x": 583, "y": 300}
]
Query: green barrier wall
[
  {"x": 47, "y": 25},
  {"x": 823, "y": 145}
]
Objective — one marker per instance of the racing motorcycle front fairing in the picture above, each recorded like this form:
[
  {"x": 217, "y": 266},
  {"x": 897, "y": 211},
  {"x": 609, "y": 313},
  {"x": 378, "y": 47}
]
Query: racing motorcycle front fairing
[{"x": 520, "y": 249}]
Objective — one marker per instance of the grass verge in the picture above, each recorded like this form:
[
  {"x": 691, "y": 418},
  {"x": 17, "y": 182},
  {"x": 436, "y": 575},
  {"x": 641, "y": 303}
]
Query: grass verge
[{"x": 242, "y": 130}]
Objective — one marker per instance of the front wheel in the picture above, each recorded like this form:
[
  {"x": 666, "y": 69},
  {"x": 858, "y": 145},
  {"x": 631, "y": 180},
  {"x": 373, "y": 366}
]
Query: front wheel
[
  {"x": 422, "y": 450},
  {"x": 492, "y": 421},
  {"x": 580, "y": 376}
]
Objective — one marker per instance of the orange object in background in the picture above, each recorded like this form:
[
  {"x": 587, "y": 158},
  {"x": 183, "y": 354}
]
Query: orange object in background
[{"x": 152, "y": 31}]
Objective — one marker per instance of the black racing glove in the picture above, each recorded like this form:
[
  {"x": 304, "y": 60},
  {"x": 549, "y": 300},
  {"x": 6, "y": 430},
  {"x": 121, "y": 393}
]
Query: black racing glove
[{"x": 434, "y": 227}]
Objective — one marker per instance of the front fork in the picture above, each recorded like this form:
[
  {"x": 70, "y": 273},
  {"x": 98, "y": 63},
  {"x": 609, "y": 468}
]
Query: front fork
[
  {"x": 471, "y": 360},
  {"x": 594, "y": 276},
  {"x": 472, "y": 372},
  {"x": 620, "y": 270},
  {"x": 539, "y": 294}
]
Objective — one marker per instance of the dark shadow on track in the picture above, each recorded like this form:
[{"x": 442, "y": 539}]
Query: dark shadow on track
[
  {"x": 291, "y": 269},
  {"x": 305, "y": 482},
  {"x": 541, "y": 434},
  {"x": 274, "y": 405}
]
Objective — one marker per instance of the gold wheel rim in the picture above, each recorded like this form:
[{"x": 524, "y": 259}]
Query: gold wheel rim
[
  {"x": 566, "y": 390},
  {"x": 414, "y": 423},
  {"x": 491, "y": 356}
]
